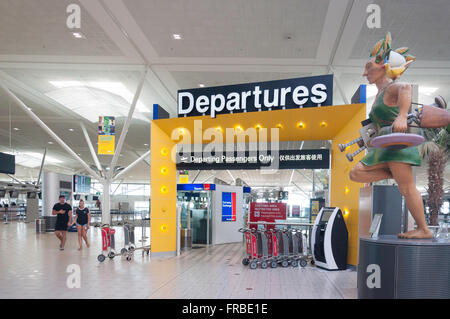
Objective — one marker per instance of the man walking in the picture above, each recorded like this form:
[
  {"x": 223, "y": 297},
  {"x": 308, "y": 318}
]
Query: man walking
[{"x": 63, "y": 212}]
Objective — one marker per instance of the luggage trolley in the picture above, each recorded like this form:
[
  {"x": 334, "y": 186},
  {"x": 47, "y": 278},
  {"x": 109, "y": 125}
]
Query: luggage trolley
[
  {"x": 145, "y": 248},
  {"x": 256, "y": 242},
  {"x": 283, "y": 243},
  {"x": 130, "y": 246},
  {"x": 273, "y": 247},
  {"x": 108, "y": 243},
  {"x": 128, "y": 235},
  {"x": 288, "y": 246},
  {"x": 298, "y": 248}
]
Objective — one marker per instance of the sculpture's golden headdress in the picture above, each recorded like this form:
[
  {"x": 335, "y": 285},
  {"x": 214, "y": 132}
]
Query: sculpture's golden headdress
[{"x": 395, "y": 61}]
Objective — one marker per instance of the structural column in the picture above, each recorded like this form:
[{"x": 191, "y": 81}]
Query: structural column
[
  {"x": 50, "y": 192},
  {"x": 106, "y": 201},
  {"x": 163, "y": 194}
]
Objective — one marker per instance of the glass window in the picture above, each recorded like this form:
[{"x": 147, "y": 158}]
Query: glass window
[
  {"x": 141, "y": 205},
  {"x": 446, "y": 207}
]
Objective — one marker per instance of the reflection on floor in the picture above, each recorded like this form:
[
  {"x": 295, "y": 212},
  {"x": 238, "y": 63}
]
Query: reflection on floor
[{"x": 31, "y": 266}]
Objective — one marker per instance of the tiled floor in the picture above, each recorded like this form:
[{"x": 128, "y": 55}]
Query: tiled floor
[{"x": 31, "y": 266}]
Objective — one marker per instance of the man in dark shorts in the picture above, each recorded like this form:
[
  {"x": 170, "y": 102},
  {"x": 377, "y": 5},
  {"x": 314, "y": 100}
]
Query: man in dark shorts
[{"x": 63, "y": 212}]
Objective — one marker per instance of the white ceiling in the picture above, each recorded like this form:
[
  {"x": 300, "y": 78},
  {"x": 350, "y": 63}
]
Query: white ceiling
[
  {"x": 30, "y": 27},
  {"x": 217, "y": 28},
  {"x": 423, "y": 27},
  {"x": 223, "y": 42}
]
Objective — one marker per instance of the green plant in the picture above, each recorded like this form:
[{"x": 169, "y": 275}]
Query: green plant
[{"x": 435, "y": 151}]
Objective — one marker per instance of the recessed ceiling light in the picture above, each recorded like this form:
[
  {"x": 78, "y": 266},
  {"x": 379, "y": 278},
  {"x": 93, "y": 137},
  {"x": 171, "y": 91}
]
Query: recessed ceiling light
[
  {"x": 16, "y": 129},
  {"x": 201, "y": 85},
  {"x": 146, "y": 144},
  {"x": 177, "y": 36},
  {"x": 71, "y": 129},
  {"x": 50, "y": 142},
  {"x": 78, "y": 35}
]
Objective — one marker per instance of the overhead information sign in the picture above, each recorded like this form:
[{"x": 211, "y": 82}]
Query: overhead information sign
[
  {"x": 259, "y": 96},
  {"x": 287, "y": 159},
  {"x": 81, "y": 184},
  {"x": 196, "y": 187},
  {"x": 7, "y": 163}
]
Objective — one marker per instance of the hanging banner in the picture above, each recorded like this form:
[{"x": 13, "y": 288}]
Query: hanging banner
[
  {"x": 106, "y": 144},
  {"x": 183, "y": 177},
  {"x": 106, "y": 125},
  {"x": 106, "y": 135}
]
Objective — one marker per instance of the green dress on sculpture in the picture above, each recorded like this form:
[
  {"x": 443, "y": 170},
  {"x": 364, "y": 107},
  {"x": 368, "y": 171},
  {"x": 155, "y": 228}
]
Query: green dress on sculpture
[{"x": 384, "y": 115}]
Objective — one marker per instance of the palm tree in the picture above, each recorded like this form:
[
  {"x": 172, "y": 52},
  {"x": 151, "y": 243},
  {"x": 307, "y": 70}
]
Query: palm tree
[{"x": 435, "y": 151}]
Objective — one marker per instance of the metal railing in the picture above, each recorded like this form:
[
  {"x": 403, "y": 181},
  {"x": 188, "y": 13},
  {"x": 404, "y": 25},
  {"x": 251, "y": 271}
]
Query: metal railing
[{"x": 118, "y": 218}]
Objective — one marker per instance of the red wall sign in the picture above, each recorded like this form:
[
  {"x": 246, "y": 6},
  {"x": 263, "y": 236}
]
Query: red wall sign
[{"x": 267, "y": 212}]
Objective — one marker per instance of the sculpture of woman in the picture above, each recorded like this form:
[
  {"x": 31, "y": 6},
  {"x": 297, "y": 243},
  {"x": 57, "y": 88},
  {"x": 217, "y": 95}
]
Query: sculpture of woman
[{"x": 391, "y": 107}]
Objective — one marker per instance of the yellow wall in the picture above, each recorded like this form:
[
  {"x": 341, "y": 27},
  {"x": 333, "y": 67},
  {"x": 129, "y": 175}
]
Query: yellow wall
[
  {"x": 345, "y": 193},
  {"x": 163, "y": 201},
  {"x": 342, "y": 125}
]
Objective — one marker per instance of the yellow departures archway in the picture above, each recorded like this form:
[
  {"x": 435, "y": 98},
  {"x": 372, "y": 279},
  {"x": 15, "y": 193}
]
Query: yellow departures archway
[{"x": 337, "y": 123}]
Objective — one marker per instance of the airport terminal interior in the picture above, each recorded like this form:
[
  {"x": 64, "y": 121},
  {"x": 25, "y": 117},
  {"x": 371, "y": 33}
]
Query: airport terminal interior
[{"x": 207, "y": 149}]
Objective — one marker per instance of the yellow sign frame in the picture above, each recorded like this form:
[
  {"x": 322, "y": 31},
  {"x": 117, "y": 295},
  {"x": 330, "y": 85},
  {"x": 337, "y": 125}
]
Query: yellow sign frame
[{"x": 337, "y": 123}]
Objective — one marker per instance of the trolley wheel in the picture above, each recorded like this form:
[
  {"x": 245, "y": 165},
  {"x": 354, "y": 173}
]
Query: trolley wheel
[
  {"x": 111, "y": 255},
  {"x": 303, "y": 263},
  {"x": 245, "y": 261},
  {"x": 294, "y": 263},
  {"x": 312, "y": 262},
  {"x": 284, "y": 263},
  {"x": 253, "y": 265},
  {"x": 101, "y": 258},
  {"x": 264, "y": 264},
  {"x": 148, "y": 252},
  {"x": 132, "y": 248},
  {"x": 273, "y": 264},
  {"x": 123, "y": 251},
  {"x": 129, "y": 257}
]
